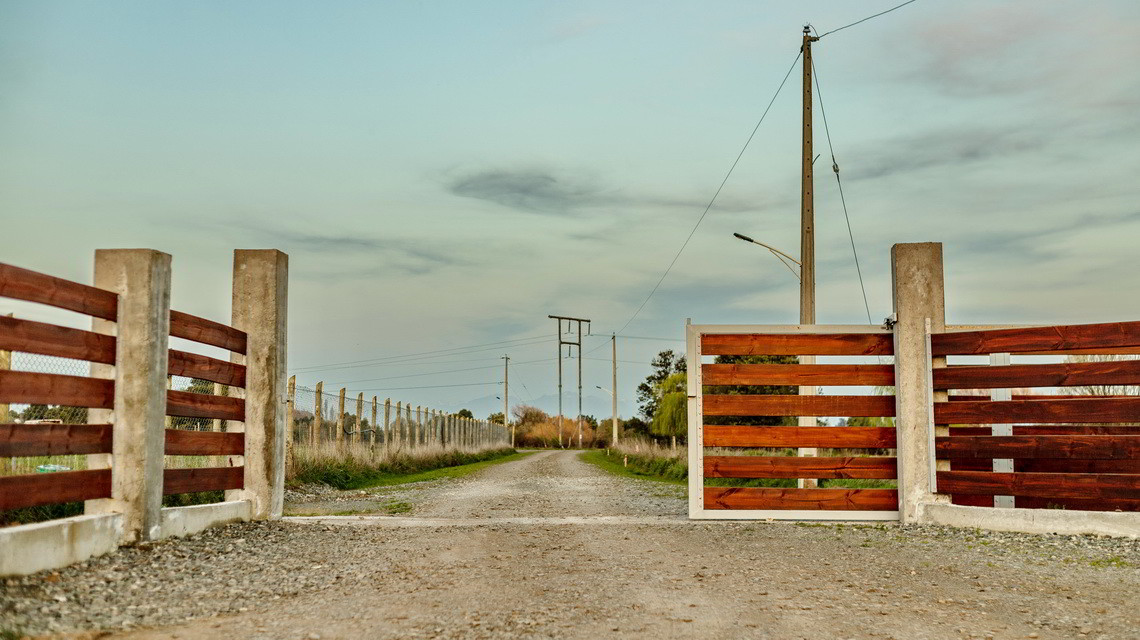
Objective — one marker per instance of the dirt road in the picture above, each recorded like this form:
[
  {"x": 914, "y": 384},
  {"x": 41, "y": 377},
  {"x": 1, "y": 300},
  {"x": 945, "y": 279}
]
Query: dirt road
[{"x": 551, "y": 547}]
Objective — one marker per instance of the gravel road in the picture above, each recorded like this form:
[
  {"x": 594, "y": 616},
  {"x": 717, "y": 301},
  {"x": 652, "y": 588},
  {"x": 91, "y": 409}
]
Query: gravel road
[{"x": 551, "y": 547}]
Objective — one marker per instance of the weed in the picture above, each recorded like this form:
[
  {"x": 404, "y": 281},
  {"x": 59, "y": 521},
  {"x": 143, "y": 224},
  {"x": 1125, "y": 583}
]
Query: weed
[
  {"x": 344, "y": 470},
  {"x": 1111, "y": 561},
  {"x": 393, "y": 508}
]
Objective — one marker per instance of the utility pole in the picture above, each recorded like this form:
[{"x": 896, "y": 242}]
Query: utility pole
[
  {"x": 506, "y": 404},
  {"x": 569, "y": 343},
  {"x": 807, "y": 237},
  {"x": 613, "y": 342}
]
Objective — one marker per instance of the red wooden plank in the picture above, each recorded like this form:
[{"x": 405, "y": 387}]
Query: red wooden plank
[
  {"x": 1041, "y": 485},
  {"x": 798, "y": 374},
  {"x": 808, "y": 499},
  {"x": 50, "y": 340},
  {"x": 51, "y": 488},
  {"x": 181, "y": 442},
  {"x": 1075, "y": 410},
  {"x": 201, "y": 405},
  {"x": 1076, "y": 447},
  {"x": 1081, "y": 336},
  {"x": 193, "y": 365},
  {"x": 833, "y": 437},
  {"x": 1077, "y": 504},
  {"x": 1053, "y": 430},
  {"x": 205, "y": 479},
  {"x": 772, "y": 405},
  {"x": 184, "y": 325},
  {"x": 1058, "y": 374},
  {"x": 31, "y": 439},
  {"x": 22, "y": 284},
  {"x": 787, "y": 467},
  {"x": 26, "y": 387},
  {"x": 1049, "y": 465},
  {"x": 797, "y": 344}
]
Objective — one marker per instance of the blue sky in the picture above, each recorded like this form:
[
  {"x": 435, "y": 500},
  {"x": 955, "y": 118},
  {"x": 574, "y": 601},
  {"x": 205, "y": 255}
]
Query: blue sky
[{"x": 447, "y": 174}]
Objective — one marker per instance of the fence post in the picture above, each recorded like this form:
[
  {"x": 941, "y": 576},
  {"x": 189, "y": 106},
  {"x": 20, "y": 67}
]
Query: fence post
[
  {"x": 290, "y": 407},
  {"x": 419, "y": 425},
  {"x": 5, "y": 365},
  {"x": 318, "y": 414},
  {"x": 372, "y": 426},
  {"x": 260, "y": 309},
  {"x": 359, "y": 417},
  {"x": 411, "y": 426},
  {"x": 388, "y": 424},
  {"x": 919, "y": 302},
  {"x": 141, "y": 277},
  {"x": 340, "y": 417},
  {"x": 400, "y": 423}
]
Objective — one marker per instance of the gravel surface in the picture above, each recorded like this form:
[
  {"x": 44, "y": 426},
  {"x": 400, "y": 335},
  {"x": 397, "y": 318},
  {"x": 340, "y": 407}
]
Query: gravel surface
[{"x": 551, "y": 547}]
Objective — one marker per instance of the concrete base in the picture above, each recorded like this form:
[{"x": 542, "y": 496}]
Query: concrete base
[
  {"x": 1107, "y": 523},
  {"x": 184, "y": 521},
  {"x": 50, "y": 545}
]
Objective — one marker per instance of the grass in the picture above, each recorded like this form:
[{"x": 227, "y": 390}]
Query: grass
[
  {"x": 46, "y": 512},
  {"x": 357, "y": 469},
  {"x": 649, "y": 469},
  {"x": 1111, "y": 561}
]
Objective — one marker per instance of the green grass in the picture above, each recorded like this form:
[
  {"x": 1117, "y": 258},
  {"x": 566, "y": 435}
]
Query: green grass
[
  {"x": 1112, "y": 561},
  {"x": 349, "y": 473}
]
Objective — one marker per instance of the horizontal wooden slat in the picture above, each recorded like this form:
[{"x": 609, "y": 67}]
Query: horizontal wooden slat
[
  {"x": 1050, "y": 465},
  {"x": 833, "y": 437},
  {"x": 788, "y": 467},
  {"x": 1058, "y": 374},
  {"x": 797, "y": 344},
  {"x": 205, "y": 479},
  {"x": 1042, "y": 485},
  {"x": 193, "y": 365},
  {"x": 1080, "y": 447},
  {"x": 814, "y": 499},
  {"x": 181, "y": 442},
  {"x": 1077, "y": 504},
  {"x": 201, "y": 405},
  {"x": 32, "y": 439},
  {"x": 772, "y": 405},
  {"x": 50, "y": 488},
  {"x": 1031, "y": 396},
  {"x": 1083, "y": 336},
  {"x": 1053, "y": 430},
  {"x": 41, "y": 338},
  {"x": 1075, "y": 410},
  {"x": 798, "y": 374},
  {"x": 32, "y": 286},
  {"x": 48, "y": 388},
  {"x": 184, "y": 325}
]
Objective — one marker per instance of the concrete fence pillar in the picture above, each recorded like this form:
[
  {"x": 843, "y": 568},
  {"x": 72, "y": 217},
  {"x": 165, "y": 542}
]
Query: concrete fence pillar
[
  {"x": 388, "y": 424},
  {"x": 260, "y": 309},
  {"x": 359, "y": 417},
  {"x": 290, "y": 408},
  {"x": 372, "y": 426},
  {"x": 141, "y": 278},
  {"x": 340, "y": 417},
  {"x": 318, "y": 415},
  {"x": 919, "y": 303}
]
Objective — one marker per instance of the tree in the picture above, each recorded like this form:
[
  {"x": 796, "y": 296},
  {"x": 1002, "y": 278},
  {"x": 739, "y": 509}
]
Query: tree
[
  {"x": 665, "y": 364},
  {"x": 465, "y": 413},
  {"x": 496, "y": 418},
  {"x": 671, "y": 418}
]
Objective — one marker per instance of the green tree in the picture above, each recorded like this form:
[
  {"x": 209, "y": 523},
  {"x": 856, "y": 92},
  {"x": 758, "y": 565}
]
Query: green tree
[
  {"x": 465, "y": 413},
  {"x": 671, "y": 417},
  {"x": 664, "y": 365},
  {"x": 496, "y": 418},
  {"x": 766, "y": 389}
]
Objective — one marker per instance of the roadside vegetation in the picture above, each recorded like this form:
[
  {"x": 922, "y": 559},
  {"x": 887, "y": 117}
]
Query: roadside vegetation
[{"x": 357, "y": 467}]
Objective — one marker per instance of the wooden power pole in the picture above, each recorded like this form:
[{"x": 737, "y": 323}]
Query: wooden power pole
[
  {"x": 506, "y": 404},
  {"x": 613, "y": 340},
  {"x": 807, "y": 238}
]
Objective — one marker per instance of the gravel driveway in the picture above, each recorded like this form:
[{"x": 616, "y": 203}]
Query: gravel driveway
[{"x": 551, "y": 547}]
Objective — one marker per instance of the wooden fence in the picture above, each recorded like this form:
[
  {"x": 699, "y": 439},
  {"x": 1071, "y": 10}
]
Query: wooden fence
[
  {"x": 727, "y": 400},
  {"x": 128, "y": 404},
  {"x": 1040, "y": 449}
]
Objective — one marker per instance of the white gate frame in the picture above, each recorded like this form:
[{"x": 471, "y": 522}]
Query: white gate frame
[{"x": 697, "y": 511}]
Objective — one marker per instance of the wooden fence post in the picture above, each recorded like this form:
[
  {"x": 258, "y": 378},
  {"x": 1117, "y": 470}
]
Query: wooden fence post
[
  {"x": 141, "y": 278},
  {"x": 920, "y": 305},
  {"x": 359, "y": 417},
  {"x": 260, "y": 309},
  {"x": 372, "y": 425},
  {"x": 388, "y": 424},
  {"x": 318, "y": 413},
  {"x": 411, "y": 427},
  {"x": 399, "y": 426}
]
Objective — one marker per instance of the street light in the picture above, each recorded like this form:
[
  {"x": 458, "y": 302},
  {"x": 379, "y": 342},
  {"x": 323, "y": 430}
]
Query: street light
[{"x": 782, "y": 256}]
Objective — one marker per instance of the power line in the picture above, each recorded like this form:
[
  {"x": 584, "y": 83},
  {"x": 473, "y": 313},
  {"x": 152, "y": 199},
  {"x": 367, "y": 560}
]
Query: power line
[
  {"x": 431, "y": 386},
  {"x": 422, "y": 355},
  {"x": 869, "y": 17},
  {"x": 434, "y": 373},
  {"x": 843, "y": 200},
  {"x": 718, "y": 190}
]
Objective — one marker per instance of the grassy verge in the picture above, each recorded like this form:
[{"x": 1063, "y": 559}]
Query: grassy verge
[{"x": 354, "y": 473}]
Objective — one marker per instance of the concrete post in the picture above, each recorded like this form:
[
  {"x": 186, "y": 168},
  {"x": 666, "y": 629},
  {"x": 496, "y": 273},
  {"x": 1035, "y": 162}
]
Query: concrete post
[
  {"x": 388, "y": 424},
  {"x": 359, "y": 417},
  {"x": 318, "y": 413},
  {"x": 399, "y": 426},
  {"x": 141, "y": 277},
  {"x": 219, "y": 390},
  {"x": 919, "y": 299},
  {"x": 372, "y": 426},
  {"x": 260, "y": 309},
  {"x": 411, "y": 427},
  {"x": 419, "y": 425},
  {"x": 5, "y": 365},
  {"x": 340, "y": 417},
  {"x": 290, "y": 407}
]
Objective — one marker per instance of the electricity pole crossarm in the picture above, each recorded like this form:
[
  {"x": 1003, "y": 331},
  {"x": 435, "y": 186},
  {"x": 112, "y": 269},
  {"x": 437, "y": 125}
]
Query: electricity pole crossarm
[{"x": 570, "y": 343}]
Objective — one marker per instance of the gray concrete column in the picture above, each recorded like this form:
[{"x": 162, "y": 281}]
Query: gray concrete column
[
  {"x": 260, "y": 309},
  {"x": 141, "y": 278},
  {"x": 919, "y": 299}
]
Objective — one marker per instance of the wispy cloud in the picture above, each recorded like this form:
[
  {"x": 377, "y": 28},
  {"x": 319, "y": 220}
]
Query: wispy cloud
[{"x": 949, "y": 147}]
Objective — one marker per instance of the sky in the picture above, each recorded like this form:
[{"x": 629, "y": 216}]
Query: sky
[{"x": 445, "y": 175}]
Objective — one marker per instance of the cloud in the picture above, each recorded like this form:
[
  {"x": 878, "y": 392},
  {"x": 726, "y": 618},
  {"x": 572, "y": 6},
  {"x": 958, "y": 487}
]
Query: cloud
[
  {"x": 531, "y": 190},
  {"x": 950, "y": 147}
]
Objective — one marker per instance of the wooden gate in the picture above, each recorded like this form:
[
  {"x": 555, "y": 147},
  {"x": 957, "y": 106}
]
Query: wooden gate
[{"x": 743, "y": 461}]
